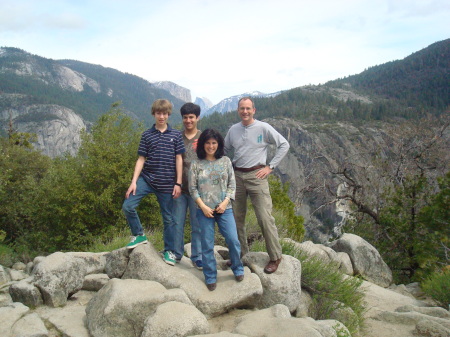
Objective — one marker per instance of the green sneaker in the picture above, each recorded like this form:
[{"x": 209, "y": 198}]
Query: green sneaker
[
  {"x": 169, "y": 258},
  {"x": 136, "y": 241}
]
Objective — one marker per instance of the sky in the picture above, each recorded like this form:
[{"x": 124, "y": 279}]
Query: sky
[{"x": 222, "y": 48}]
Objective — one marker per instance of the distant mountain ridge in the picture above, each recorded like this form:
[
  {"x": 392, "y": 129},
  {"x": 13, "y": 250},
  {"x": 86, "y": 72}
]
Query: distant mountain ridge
[
  {"x": 421, "y": 78},
  {"x": 175, "y": 89},
  {"x": 230, "y": 103},
  {"x": 34, "y": 90}
]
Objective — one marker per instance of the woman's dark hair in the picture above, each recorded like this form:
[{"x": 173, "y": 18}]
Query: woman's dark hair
[{"x": 204, "y": 137}]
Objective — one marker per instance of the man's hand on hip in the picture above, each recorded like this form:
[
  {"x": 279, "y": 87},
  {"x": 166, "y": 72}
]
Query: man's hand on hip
[{"x": 264, "y": 172}]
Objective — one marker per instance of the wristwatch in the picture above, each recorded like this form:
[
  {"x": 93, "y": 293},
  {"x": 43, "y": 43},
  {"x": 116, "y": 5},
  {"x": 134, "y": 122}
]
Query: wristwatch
[{"x": 271, "y": 167}]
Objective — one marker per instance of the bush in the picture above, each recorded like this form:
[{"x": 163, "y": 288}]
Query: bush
[
  {"x": 68, "y": 203},
  {"x": 293, "y": 224},
  {"x": 437, "y": 286},
  {"x": 330, "y": 290}
]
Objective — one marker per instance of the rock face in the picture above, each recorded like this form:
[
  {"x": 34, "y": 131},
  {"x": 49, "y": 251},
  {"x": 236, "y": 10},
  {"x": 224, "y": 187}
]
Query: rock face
[
  {"x": 204, "y": 103},
  {"x": 175, "y": 89},
  {"x": 57, "y": 128},
  {"x": 315, "y": 151},
  {"x": 366, "y": 260},
  {"x": 151, "y": 298}
]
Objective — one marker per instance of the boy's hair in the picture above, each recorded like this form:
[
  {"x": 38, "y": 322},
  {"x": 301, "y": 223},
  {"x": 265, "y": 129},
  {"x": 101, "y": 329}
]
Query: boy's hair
[
  {"x": 162, "y": 105},
  {"x": 204, "y": 137},
  {"x": 190, "y": 108}
]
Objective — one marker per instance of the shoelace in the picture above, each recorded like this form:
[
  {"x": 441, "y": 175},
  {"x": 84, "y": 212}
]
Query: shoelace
[
  {"x": 171, "y": 256},
  {"x": 133, "y": 238}
]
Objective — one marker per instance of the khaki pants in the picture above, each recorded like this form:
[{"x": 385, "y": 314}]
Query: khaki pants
[{"x": 258, "y": 189}]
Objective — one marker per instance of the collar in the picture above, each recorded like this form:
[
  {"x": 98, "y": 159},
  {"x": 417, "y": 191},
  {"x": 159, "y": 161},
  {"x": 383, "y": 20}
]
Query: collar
[{"x": 154, "y": 129}]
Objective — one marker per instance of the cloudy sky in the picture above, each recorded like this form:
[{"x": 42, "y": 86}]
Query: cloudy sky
[{"x": 221, "y": 48}]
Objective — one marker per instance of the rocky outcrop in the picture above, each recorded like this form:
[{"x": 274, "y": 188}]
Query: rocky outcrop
[
  {"x": 204, "y": 103},
  {"x": 151, "y": 298},
  {"x": 366, "y": 260},
  {"x": 340, "y": 259},
  {"x": 175, "y": 89},
  {"x": 283, "y": 287},
  {"x": 316, "y": 151},
  {"x": 50, "y": 72},
  {"x": 58, "y": 277},
  {"x": 146, "y": 264},
  {"x": 122, "y": 306},
  {"x": 57, "y": 128}
]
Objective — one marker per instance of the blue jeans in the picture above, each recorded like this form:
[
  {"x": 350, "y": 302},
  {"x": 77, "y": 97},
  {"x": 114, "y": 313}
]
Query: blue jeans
[
  {"x": 227, "y": 227},
  {"x": 165, "y": 201},
  {"x": 180, "y": 207}
]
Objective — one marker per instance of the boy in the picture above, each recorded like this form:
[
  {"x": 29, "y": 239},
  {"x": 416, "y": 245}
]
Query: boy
[
  {"x": 158, "y": 170},
  {"x": 191, "y": 114}
]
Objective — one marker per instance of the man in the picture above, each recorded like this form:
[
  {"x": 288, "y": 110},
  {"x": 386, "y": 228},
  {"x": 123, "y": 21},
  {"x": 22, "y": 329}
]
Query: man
[
  {"x": 249, "y": 139},
  {"x": 191, "y": 115}
]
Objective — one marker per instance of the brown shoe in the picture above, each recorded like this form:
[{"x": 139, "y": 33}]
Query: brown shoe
[
  {"x": 239, "y": 278},
  {"x": 211, "y": 286},
  {"x": 229, "y": 263},
  {"x": 272, "y": 266}
]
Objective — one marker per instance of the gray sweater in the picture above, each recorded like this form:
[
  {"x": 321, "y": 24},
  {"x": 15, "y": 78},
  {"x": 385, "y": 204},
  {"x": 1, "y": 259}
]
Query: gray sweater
[{"x": 250, "y": 144}]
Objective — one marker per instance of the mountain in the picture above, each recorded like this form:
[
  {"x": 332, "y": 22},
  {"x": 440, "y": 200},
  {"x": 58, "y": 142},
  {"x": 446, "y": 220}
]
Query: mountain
[
  {"x": 230, "y": 103},
  {"x": 36, "y": 92},
  {"x": 204, "y": 103},
  {"x": 423, "y": 78},
  {"x": 175, "y": 89},
  {"x": 45, "y": 96}
]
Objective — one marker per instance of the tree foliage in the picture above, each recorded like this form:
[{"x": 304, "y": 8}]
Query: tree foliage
[
  {"x": 62, "y": 204},
  {"x": 281, "y": 201},
  {"x": 398, "y": 204},
  {"x": 21, "y": 172}
]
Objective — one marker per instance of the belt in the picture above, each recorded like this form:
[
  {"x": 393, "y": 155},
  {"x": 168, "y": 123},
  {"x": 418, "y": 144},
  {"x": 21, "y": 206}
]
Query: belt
[{"x": 249, "y": 169}]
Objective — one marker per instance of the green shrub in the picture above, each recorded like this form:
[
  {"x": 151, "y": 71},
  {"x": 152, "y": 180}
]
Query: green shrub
[
  {"x": 437, "y": 286},
  {"x": 330, "y": 289}
]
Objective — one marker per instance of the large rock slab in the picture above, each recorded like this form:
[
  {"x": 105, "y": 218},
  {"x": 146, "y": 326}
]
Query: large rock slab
[
  {"x": 326, "y": 254},
  {"x": 116, "y": 262},
  {"x": 121, "y": 307},
  {"x": 95, "y": 282},
  {"x": 185, "y": 320},
  {"x": 59, "y": 276},
  {"x": 277, "y": 322},
  {"x": 281, "y": 287},
  {"x": 366, "y": 260},
  {"x": 94, "y": 262},
  {"x": 29, "y": 326},
  {"x": 381, "y": 302},
  {"x": 69, "y": 320},
  {"x": 146, "y": 264},
  {"x": 26, "y": 292},
  {"x": 9, "y": 315}
]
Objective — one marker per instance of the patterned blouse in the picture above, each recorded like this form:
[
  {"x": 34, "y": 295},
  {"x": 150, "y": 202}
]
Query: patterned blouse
[{"x": 212, "y": 181}]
